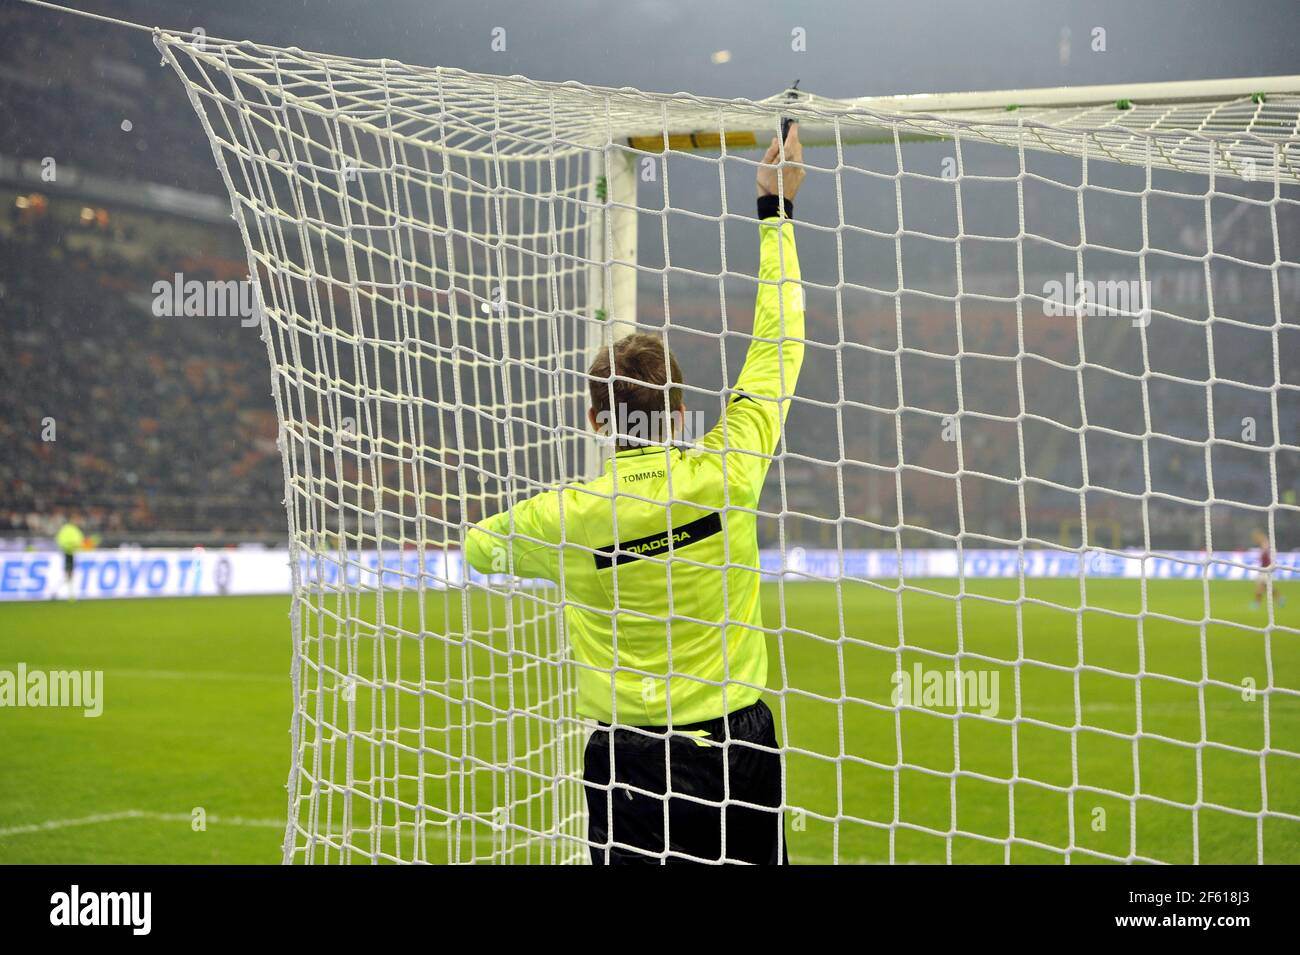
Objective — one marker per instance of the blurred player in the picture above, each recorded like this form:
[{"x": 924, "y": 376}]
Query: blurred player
[
  {"x": 1265, "y": 563},
  {"x": 69, "y": 540}
]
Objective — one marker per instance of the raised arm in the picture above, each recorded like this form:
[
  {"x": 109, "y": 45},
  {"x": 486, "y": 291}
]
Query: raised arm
[
  {"x": 518, "y": 541},
  {"x": 751, "y": 422}
]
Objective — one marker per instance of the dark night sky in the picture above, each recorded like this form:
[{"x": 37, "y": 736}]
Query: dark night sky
[{"x": 854, "y": 47}]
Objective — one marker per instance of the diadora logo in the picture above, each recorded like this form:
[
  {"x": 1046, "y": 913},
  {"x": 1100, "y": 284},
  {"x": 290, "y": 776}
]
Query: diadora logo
[
  {"x": 659, "y": 543},
  {"x": 687, "y": 534}
]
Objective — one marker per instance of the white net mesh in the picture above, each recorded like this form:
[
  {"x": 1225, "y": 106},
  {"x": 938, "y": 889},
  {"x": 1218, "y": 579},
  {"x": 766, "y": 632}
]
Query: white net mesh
[{"x": 1055, "y": 345}]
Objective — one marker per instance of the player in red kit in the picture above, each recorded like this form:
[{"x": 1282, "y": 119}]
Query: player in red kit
[{"x": 1265, "y": 563}]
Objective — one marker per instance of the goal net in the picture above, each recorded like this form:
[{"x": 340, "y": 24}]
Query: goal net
[{"x": 1048, "y": 412}]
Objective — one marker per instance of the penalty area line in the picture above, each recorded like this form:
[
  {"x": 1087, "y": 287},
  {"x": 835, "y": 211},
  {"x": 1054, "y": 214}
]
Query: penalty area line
[
  {"x": 50, "y": 825},
  {"x": 172, "y": 674}
]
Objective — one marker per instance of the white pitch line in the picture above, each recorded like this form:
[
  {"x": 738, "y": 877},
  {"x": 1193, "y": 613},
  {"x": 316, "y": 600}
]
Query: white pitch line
[
  {"x": 52, "y": 824},
  {"x": 844, "y": 860},
  {"x": 201, "y": 675},
  {"x": 177, "y": 674}
]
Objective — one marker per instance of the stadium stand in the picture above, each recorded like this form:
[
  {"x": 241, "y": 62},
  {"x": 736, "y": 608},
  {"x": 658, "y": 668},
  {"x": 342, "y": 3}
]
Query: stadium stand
[
  {"x": 185, "y": 400},
  {"x": 188, "y": 399}
]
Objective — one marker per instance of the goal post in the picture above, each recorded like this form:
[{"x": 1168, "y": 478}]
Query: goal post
[
  {"x": 1031, "y": 314},
  {"x": 613, "y": 244}
]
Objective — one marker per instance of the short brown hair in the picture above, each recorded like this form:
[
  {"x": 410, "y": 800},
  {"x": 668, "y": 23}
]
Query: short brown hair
[{"x": 642, "y": 366}]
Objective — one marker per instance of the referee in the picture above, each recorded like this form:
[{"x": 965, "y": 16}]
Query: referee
[
  {"x": 659, "y": 562},
  {"x": 68, "y": 539}
]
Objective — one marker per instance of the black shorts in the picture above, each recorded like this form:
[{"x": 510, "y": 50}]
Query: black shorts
[
  {"x": 69, "y": 564},
  {"x": 626, "y": 819}
]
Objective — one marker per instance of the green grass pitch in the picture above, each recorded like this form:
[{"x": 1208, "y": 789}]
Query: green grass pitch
[{"x": 197, "y": 706}]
